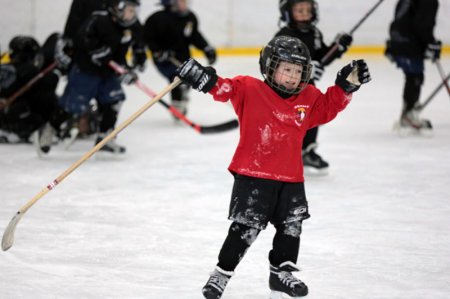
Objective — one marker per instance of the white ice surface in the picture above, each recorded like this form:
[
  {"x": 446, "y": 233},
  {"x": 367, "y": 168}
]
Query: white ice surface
[{"x": 151, "y": 225}]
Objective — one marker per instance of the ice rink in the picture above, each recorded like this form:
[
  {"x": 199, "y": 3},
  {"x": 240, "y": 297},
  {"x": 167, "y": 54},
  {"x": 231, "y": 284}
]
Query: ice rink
[{"x": 151, "y": 225}]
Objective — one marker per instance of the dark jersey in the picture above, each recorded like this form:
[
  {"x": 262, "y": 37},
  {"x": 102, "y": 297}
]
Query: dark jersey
[
  {"x": 101, "y": 31},
  {"x": 165, "y": 30},
  {"x": 79, "y": 12},
  {"x": 412, "y": 28},
  {"x": 313, "y": 39}
]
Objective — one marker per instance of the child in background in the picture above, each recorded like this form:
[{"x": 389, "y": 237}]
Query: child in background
[
  {"x": 274, "y": 116},
  {"x": 301, "y": 17},
  {"x": 169, "y": 33}
]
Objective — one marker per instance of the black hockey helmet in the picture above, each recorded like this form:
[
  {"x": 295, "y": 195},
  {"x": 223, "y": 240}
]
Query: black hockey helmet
[
  {"x": 125, "y": 12},
  {"x": 24, "y": 49},
  {"x": 287, "y": 49},
  {"x": 285, "y": 7},
  {"x": 173, "y": 6}
]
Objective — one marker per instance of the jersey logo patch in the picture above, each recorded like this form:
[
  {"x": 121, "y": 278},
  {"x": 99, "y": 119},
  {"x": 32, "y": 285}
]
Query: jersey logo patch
[{"x": 301, "y": 114}]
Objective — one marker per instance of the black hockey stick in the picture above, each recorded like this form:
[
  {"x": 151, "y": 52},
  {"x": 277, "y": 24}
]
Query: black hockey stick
[
  {"x": 441, "y": 72},
  {"x": 433, "y": 94},
  {"x": 333, "y": 49},
  {"x": 229, "y": 125}
]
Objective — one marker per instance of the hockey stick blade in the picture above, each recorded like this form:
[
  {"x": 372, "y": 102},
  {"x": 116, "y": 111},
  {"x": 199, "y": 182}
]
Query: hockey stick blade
[
  {"x": 8, "y": 235},
  {"x": 230, "y": 125}
]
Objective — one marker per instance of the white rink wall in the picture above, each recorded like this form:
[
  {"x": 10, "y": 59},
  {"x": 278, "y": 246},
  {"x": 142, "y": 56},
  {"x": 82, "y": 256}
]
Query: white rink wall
[{"x": 225, "y": 23}]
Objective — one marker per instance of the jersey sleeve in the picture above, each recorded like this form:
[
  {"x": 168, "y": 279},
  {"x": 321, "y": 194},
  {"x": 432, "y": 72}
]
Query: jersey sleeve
[
  {"x": 197, "y": 38},
  {"x": 229, "y": 90},
  {"x": 328, "y": 105}
]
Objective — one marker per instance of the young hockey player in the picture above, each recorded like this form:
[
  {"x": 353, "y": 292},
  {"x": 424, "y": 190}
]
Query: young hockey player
[
  {"x": 411, "y": 41},
  {"x": 102, "y": 38},
  {"x": 29, "y": 111},
  {"x": 301, "y": 18},
  {"x": 274, "y": 115},
  {"x": 169, "y": 33}
]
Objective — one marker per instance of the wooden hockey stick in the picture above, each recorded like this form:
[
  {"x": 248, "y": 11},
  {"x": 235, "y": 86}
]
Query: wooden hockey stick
[
  {"x": 333, "y": 49},
  {"x": 28, "y": 85},
  {"x": 8, "y": 236},
  {"x": 223, "y": 127}
]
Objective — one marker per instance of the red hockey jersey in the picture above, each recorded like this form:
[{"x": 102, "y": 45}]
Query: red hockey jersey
[{"x": 272, "y": 128}]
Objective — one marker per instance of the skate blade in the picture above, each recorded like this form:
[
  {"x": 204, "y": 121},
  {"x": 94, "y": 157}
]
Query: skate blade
[
  {"x": 409, "y": 131},
  {"x": 280, "y": 295}
]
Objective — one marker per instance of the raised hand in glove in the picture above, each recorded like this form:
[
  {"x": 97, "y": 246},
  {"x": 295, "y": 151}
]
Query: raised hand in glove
[
  {"x": 317, "y": 70},
  {"x": 199, "y": 77},
  {"x": 101, "y": 56},
  {"x": 210, "y": 54},
  {"x": 343, "y": 40},
  {"x": 351, "y": 76},
  {"x": 433, "y": 50}
]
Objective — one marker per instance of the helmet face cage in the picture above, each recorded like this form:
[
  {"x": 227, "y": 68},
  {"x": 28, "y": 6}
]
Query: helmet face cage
[
  {"x": 290, "y": 50},
  {"x": 126, "y": 12},
  {"x": 285, "y": 7}
]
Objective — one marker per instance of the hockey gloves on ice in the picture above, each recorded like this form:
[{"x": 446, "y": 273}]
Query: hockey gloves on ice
[
  {"x": 101, "y": 56},
  {"x": 317, "y": 70},
  {"x": 210, "y": 54},
  {"x": 433, "y": 50},
  {"x": 199, "y": 77},
  {"x": 351, "y": 76}
]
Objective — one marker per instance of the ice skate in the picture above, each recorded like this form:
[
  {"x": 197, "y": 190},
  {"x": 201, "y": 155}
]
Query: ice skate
[
  {"x": 110, "y": 149},
  {"x": 216, "y": 283},
  {"x": 313, "y": 163},
  {"x": 282, "y": 282},
  {"x": 43, "y": 139},
  {"x": 9, "y": 137},
  {"x": 411, "y": 124}
]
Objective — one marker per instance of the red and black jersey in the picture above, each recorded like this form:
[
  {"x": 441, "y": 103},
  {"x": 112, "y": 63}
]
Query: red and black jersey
[{"x": 272, "y": 128}]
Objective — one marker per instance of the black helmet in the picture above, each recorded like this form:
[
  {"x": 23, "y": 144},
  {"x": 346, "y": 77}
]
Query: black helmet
[
  {"x": 285, "y": 7},
  {"x": 287, "y": 49},
  {"x": 25, "y": 49},
  {"x": 173, "y": 6},
  {"x": 118, "y": 9}
]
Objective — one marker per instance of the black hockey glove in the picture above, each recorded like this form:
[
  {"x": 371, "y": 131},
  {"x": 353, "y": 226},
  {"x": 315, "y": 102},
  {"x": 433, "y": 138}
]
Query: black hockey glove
[
  {"x": 210, "y": 54},
  {"x": 129, "y": 78},
  {"x": 163, "y": 56},
  {"x": 140, "y": 58},
  {"x": 101, "y": 56},
  {"x": 199, "y": 77},
  {"x": 343, "y": 40},
  {"x": 63, "y": 50},
  {"x": 351, "y": 76},
  {"x": 317, "y": 70},
  {"x": 433, "y": 50}
]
